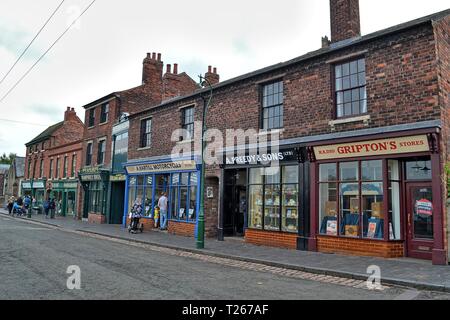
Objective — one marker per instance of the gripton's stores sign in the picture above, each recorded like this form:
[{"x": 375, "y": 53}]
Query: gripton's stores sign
[
  {"x": 287, "y": 155},
  {"x": 162, "y": 167},
  {"x": 373, "y": 148}
]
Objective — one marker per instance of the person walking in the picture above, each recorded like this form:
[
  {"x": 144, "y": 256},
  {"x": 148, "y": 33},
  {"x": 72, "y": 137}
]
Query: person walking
[
  {"x": 11, "y": 204},
  {"x": 52, "y": 207},
  {"x": 46, "y": 206},
  {"x": 162, "y": 204}
]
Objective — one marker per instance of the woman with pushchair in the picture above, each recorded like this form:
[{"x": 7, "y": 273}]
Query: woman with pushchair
[{"x": 135, "y": 216}]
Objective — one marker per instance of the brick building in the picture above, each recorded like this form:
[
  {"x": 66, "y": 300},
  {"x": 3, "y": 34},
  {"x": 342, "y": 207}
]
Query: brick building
[
  {"x": 4, "y": 168},
  {"x": 99, "y": 179},
  {"x": 52, "y": 162},
  {"x": 14, "y": 178},
  {"x": 363, "y": 128}
]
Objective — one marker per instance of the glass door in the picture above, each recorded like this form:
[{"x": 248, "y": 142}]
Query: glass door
[{"x": 420, "y": 220}]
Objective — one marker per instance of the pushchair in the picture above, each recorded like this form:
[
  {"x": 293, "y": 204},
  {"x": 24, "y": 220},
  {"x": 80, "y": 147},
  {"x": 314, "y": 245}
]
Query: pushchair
[
  {"x": 135, "y": 225},
  {"x": 18, "y": 210}
]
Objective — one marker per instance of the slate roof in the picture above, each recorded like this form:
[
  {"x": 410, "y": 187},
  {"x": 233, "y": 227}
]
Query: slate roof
[
  {"x": 45, "y": 134},
  {"x": 19, "y": 165}
]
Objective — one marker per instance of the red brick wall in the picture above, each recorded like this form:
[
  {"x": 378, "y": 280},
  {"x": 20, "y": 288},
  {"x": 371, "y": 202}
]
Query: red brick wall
[
  {"x": 149, "y": 224},
  {"x": 271, "y": 239},
  {"x": 360, "y": 247},
  {"x": 181, "y": 228}
]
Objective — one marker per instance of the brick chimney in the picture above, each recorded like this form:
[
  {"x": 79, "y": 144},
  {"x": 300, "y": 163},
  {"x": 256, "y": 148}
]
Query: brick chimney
[
  {"x": 345, "y": 21},
  {"x": 212, "y": 76},
  {"x": 176, "y": 84},
  {"x": 70, "y": 114},
  {"x": 152, "y": 70}
]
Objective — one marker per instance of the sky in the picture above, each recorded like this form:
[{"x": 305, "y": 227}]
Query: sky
[{"x": 103, "y": 51}]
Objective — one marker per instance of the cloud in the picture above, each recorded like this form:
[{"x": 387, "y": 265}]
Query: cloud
[
  {"x": 48, "y": 111},
  {"x": 14, "y": 40}
]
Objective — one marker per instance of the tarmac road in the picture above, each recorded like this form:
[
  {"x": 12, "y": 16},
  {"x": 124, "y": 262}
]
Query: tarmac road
[{"x": 34, "y": 261}]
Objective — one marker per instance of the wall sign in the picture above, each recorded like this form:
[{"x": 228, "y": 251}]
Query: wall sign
[
  {"x": 90, "y": 177},
  {"x": 162, "y": 167},
  {"x": 257, "y": 158},
  {"x": 373, "y": 148},
  {"x": 38, "y": 185},
  {"x": 424, "y": 207},
  {"x": 117, "y": 177},
  {"x": 26, "y": 185},
  {"x": 209, "y": 192}
]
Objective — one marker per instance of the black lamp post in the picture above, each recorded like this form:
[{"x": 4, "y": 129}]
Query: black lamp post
[{"x": 200, "y": 243}]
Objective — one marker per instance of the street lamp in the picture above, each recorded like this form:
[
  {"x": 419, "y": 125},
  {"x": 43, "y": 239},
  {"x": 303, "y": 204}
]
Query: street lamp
[{"x": 200, "y": 243}]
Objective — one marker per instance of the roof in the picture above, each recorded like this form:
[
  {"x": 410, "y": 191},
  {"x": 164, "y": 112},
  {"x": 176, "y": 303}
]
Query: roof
[
  {"x": 315, "y": 54},
  {"x": 45, "y": 134},
  {"x": 19, "y": 165}
]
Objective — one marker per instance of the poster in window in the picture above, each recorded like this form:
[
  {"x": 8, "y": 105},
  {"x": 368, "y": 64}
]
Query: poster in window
[
  {"x": 332, "y": 227},
  {"x": 351, "y": 231},
  {"x": 181, "y": 212},
  {"x": 371, "y": 230},
  {"x": 191, "y": 213},
  {"x": 424, "y": 207}
]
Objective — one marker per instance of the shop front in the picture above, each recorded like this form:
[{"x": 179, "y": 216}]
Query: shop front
[
  {"x": 264, "y": 198},
  {"x": 95, "y": 182},
  {"x": 379, "y": 197},
  {"x": 178, "y": 178},
  {"x": 35, "y": 189},
  {"x": 65, "y": 194}
]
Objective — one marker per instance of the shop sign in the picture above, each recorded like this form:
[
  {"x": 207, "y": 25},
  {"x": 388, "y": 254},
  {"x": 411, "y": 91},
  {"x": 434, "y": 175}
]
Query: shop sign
[
  {"x": 424, "y": 207},
  {"x": 117, "y": 177},
  {"x": 265, "y": 158},
  {"x": 90, "y": 177},
  {"x": 26, "y": 185},
  {"x": 92, "y": 170},
  {"x": 162, "y": 167},
  {"x": 38, "y": 185},
  {"x": 72, "y": 185},
  {"x": 373, "y": 148}
]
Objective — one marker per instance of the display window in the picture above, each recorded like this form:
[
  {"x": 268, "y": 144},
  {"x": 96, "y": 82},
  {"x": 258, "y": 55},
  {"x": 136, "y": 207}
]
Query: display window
[
  {"x": 273, "y": 198},
  {"x": 97, "y": 202}
]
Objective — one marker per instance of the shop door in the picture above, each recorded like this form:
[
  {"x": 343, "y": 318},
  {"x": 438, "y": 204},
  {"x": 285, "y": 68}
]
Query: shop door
[
  {"x": 419, "y": 220},
  {"x": 117, "y": 202},
  {"x": 235, "y": 205}
]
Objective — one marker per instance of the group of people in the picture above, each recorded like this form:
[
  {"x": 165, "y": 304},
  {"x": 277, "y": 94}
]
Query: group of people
[
  {"x": 159, "y": 213},
  {"x": 23, "y": 205}
]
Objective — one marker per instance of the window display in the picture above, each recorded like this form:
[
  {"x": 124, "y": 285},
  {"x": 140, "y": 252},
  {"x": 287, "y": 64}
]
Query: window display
[{"x": 255, "y": 206}]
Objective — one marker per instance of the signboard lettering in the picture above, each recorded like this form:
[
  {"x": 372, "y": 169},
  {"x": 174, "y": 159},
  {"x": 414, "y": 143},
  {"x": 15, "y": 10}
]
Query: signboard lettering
[{"x": 162, "y": 167}]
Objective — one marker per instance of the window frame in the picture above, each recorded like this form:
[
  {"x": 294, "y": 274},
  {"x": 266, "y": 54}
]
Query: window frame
[
  {"x": 261, "y": 102},
  {"x": 50, "y": 169},
  {"x": 89, "y": 153},
  {"x": 91, "y": 117},
  {"x": 184, "y": 124},
  {"x": 101, "y": 143},
  {"x": 144, "y": 136},
  {"x": 335, "y": 92},
  {"x": 104, "y": 113},
  {"x": 74, "y": 165},
  {"x": 65, "y": 166}
]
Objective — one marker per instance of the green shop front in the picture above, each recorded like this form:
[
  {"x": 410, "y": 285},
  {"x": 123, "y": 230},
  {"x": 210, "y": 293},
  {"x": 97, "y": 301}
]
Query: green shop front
[
  {"x": 37, "y": 190},
  {"x": 65, "y": 195},
  {"x": 94, "y": 182}
]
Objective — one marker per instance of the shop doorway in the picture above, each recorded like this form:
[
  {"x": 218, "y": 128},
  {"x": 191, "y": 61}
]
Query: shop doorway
[
  {"x": 235, "y": 202},
  {"x": 117, "y": 202},
  {"x": 419, "y": 208}
]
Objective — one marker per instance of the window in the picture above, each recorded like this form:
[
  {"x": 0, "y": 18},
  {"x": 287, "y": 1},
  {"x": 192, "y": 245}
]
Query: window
[
  {"x": 89, "y": 154},
  {"x": 58, "y": 168},
  {"x": 65, "y": 168},
  {"x": 91, "y": 117},
  {"x": 146, "y": 133},
  {"x": 34, "y": 169},
  {"x": 50, "y": 172},
  {"x": 41, "y": 169},
  {"x": 350, "y": 88},
  {"x": 97, "y": 201},
  {"x": 120, "y": 151},
  {"x": 272, "y": 98},
  {"x": 101, "y": 151},
  {"x": 351, "y": 199},
  {"x": 188, "y": 121},
  {"x": 74, "y": 165},
  {"x": 274, "y": 192},
  {"x": 29, "y": 168},
  {"x": 183, "y": 196},
  {"x": 104, "y": 113},
  {"x": 43, "y": 146}
]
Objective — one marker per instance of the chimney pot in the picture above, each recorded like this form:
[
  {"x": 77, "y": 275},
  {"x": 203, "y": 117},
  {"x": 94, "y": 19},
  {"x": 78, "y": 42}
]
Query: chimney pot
[
  {"x": 168, "y": 68},
  {"x": 72, "y": 109},
  {"x": 154, "y": 56},
  {"x": 215, "y": 70},
  {"x": 209, "y": 69},
  {"x": 148, "y": 55},
  {"x": 68, "y": 108},
  {"x": 159, "y": 56},
  {"x": 175, "y": 68}
]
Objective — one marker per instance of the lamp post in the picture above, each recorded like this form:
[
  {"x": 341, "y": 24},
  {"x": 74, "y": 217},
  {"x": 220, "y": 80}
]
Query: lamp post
[{"x": 200, "y": 243}]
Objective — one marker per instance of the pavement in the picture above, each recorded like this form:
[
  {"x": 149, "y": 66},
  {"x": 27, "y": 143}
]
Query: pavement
[{"x": 413, "y": 273}]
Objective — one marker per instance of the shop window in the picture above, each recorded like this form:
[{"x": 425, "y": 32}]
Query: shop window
[
  {"x": 148, "y": 203},
  {"x": 350, "y": 88},
  {"x": 131, "y": 192},
  {"x": 97, "y": 197},
  {"x": 351, "y": 192},
  {"x": 418, "y": 170},
  {"x": 274, "y": 192},
  {"x": 272, "y": 105},
  {"x": 394, "y": 199},
  {"x": 104, "y": 113},
  {"x": 188, "y": 122},
  {"x": 183, "y": 196}
]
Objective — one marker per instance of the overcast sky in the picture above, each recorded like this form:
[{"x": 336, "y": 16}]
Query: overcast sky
[{"x": 103, "y": 53}]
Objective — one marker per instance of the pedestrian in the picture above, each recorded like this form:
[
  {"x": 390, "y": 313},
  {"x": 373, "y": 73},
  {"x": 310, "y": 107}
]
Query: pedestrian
[
  {"x": 27, "y": 203},
  {"x": 46, "y": 206},
  {"x": 162, "y": 204},
  {"x": 156, "y": 216},
  {"x": 52, "y": 207},
  {"x": 136, "y": 214},
  {"x": 11, "y": 204}
]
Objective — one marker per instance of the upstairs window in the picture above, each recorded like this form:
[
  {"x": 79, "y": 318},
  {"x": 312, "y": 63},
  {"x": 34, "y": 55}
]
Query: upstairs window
[
  {"x": 41, "y": 169},
  {"x": 91, "y": 122},
  {"x": 350, "y": 88},
  {"x": 104, "y": 113},
  {"x": 58, "y": 168},
  {"x": 101, "y": 151},
  {"x": 65, "y": 168},
  {"x": 272, "y": 103},
  {"x": 188, "y": 121},
  {"x": 50, "y": 171},
  {"x": 146, "y": 133},
  {"x": 74, "y": 165},
  {"x": 89, "y": 154}
]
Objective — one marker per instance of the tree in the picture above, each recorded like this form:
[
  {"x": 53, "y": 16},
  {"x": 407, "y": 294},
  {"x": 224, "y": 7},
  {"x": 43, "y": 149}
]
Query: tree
[{"x": 4, "y": 159}]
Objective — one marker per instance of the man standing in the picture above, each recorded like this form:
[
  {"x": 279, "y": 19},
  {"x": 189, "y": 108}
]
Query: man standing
[{"x": 162, "y": 204}]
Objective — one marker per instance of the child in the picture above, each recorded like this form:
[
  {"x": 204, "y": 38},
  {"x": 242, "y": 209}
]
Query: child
[{"x": 156, "y": 216}]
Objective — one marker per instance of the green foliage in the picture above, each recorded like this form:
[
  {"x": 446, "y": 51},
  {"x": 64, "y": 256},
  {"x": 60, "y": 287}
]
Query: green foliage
[{"x": 4, "y": 159}]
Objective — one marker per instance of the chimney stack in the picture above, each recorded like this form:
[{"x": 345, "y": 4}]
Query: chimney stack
[
  {"x": 345, "y": 20},
  {"x": 70, "y": 114},
  {"x": 152, "y": 70},
  {"x": 212, "y": 75},
  {"x": 169, "y": 68},
  {"x": 175, "y": 68}
]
